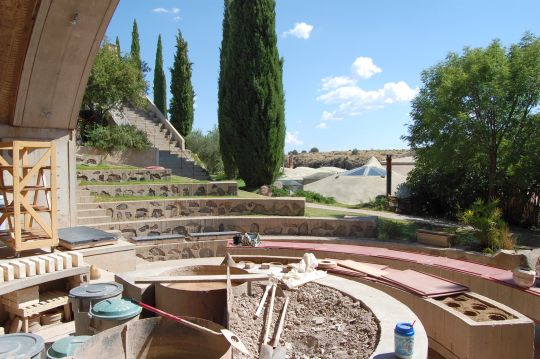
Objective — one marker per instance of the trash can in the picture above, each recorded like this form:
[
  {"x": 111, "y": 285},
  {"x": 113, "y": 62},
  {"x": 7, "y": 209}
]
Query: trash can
[
  {"x": 66, "y": 346},
  {"x": 22, "y": 346},
  {"x": 110, "y": 313},
  {"x": 85, "y": 296}
]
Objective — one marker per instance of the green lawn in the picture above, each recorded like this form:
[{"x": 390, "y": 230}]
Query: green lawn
[{"x": 105, "y": 167}]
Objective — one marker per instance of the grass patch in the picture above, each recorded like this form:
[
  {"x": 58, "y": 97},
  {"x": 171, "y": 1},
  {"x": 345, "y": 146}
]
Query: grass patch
[
  {"x": 105, "y": 167},
  {"x": 172, "y": 180},
  {"x": 318, "y": 212},
  {"x": 241, "y": 194}
]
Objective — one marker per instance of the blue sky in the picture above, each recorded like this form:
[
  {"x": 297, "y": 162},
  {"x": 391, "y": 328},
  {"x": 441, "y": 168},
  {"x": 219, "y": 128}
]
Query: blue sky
[{"x": 351, "y": 66}]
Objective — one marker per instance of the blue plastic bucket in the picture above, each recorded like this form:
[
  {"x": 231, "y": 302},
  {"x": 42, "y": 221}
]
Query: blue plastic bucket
[{"x": 404, "y": 340}]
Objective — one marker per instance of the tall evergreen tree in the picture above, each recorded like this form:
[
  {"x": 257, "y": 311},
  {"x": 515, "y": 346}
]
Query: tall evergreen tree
[
  {"x": 118, "y": 47},
  {"x": 181, "y": 106},
  {"x": 135, "y": 46},
  {"x": 254, "y": 91},
  {"x": 226, "y": 131},
  {"x": 160, "y": 92}
]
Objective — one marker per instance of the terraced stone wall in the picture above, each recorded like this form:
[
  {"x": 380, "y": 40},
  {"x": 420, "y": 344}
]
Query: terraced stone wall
[
  {"x": 362, "y": 227},
  {"x": 122, "y": 175},
  {"x": 171, "y": 208},
  {"x": 165, "y": 190},
  {"x": 182, "y": 250}
]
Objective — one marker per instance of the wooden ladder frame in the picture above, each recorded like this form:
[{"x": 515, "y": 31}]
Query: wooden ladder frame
[{"x": 21, "y": 212}]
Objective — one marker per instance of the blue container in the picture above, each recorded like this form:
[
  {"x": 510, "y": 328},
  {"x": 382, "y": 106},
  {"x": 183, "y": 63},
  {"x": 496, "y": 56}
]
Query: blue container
[{"x": 404, "y": 340}]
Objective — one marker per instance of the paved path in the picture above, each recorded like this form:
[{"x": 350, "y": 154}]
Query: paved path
[{"x": 389, "y": 215}]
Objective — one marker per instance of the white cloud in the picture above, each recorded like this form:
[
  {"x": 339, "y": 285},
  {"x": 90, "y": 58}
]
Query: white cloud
[
  {"x": 293, "y": 139},
  {"x": 364, "y": 67},
  {"x": 162, "y": 10},
  {"x": 300, "y": 30},
  {"x": 330, "y": 116},
  {"x": 329, "y": 83},
  {"x": 321, "y": 125}
]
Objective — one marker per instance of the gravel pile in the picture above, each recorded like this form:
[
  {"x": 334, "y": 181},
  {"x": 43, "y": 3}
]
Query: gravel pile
[{"x": 321, "y": 322}]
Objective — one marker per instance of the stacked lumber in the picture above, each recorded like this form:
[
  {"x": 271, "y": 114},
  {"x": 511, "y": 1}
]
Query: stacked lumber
[{"x": 21, "y": 298}]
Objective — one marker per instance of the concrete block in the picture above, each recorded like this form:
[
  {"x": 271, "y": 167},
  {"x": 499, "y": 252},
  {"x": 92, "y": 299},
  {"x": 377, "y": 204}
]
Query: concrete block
[
  {"x": 19, "y": 269},
  {"x": 8, "y": 271},
  {"x": 66, "y": 258},
  {"x": 1, "y": 274},
  {"x": 76, "y": 258},
  {"x": 40, "y": 265},
  {"x": 30, "y": 267},
  {"x": 50, "y": 265},
  {"x": 58, "y": 261}
]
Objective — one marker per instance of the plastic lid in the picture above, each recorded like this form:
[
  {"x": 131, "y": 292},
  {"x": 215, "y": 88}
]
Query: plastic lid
[
  {"x": 97, "y": 290},
  {"x": 66, "y": 346},
  {"x": 405, "y": 329},
  {"x": 115, "y": 309},
  {"x": 20, "y": 345}
]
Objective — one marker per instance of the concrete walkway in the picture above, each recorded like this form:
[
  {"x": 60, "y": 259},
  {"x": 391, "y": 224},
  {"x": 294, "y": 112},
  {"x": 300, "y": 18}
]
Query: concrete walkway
[{"x": 389, "y": 215}]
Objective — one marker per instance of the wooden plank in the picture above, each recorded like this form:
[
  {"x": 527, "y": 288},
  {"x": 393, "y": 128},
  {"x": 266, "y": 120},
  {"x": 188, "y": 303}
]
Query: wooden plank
[
  {"x": 375, "y": 270},
  {"x": 203, "y": 278}
]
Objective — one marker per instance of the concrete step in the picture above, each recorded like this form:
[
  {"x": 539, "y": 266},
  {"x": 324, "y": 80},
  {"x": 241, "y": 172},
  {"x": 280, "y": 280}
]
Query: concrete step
[
  {"x": 86, "y": 199},
  {"x": 86, "y": 205},
  {"x": 93, "y": 220},
  {"x": 91, "y": 212}
]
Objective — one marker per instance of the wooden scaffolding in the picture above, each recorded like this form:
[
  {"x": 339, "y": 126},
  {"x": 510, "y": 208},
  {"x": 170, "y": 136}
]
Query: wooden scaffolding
[{"x": 29, "y": 194}]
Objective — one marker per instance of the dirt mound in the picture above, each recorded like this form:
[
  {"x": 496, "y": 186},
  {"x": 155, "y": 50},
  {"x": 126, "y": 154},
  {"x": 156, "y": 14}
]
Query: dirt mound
[{"x": 345, "y": 159}]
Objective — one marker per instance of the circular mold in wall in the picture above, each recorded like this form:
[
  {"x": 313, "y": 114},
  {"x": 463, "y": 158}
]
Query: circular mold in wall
[
  {"x": 453, "y": 305},
  {"x": 470, "y": 313},
  {"x": 497, "y": 316},
  {"x": 479, "y": 306},
  {"x": 206, "y": 300}
]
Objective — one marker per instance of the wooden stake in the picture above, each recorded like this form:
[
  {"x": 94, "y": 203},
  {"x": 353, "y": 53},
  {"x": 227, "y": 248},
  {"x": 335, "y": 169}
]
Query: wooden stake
[
  {"x": 269, "y": 315},
  {"x": 281, "y": 322}
]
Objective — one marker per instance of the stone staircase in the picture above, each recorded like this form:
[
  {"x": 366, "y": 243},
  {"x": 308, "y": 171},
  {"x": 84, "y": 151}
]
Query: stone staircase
[{"x": 171, "y": 154}]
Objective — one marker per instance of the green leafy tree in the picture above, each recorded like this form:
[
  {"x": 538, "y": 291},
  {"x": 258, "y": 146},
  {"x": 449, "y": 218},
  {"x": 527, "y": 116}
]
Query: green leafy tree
[
  {"x": 135, "y": 53},
  {"x": 255, "y": 108},
  {"x": 472, "y": 120},
  {"x": 225, "y": 101},
  {"x": 206, "y": 147},
  {"x": 181, "y": 106},
  {"x": 160, "y": 92},
  {"x": 118, "y": 47},
  {"x": 112, "y": 82}
]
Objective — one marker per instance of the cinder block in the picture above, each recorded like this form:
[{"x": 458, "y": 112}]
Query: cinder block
[
  {"x": 40, "y": 265},
  {"x": 19, "y": 269},
  {"x": 1, "y": 274},
  {"x": 76, "y": 259},
  {"x": 30, "y": 267},
  {"x": 50, "y": 266},
  {"x": 66, "y": 258},
  {"x": 58, "y": 261},
  {"x": 8, "y": 271}
]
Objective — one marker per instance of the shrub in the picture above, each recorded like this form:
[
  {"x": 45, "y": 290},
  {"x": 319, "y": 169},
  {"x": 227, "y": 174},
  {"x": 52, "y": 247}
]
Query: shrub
[
  {"x": 315, "y": 197},
  {"x": 354, "y": 151},
  {"x": 380, "y": 203},
  {"x": 389, "y": 229},
  {"x": 293, "y": 152},
  {"x": 117, "y": 138},
  {"x": 489, "y": 229},
  {"x": 206, "y": 147},
  {"x": 314, "y": 150},
  {"x": 279, "y": 192}
]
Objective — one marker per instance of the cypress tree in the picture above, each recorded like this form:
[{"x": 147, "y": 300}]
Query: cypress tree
[
  {"x": 160, "y": 93},
  {"x": 135, "y": 46},
  {"x": 118, "y": 47},
  {"x": 255, "y": 84},
  {"x": 226, "y": 131},
  {"x": 181, "y": 106}
]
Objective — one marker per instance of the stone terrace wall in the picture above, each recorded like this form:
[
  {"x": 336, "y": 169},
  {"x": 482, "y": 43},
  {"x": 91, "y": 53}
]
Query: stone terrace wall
[
  {"x": 182, "y": 250},
  {"x": 122, "y": 175},
  {"x": 170, "y": 208},
  {"x": 362, "y": 227},
  {"x": 166, "y": 190}
]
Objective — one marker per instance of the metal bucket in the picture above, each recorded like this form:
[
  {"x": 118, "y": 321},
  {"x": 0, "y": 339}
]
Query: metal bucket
[{"x": 155, "y": 338}]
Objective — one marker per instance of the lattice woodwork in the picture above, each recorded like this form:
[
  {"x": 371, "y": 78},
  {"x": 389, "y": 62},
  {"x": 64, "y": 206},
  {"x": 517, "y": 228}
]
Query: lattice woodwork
[{"x": 31, "y": 223}]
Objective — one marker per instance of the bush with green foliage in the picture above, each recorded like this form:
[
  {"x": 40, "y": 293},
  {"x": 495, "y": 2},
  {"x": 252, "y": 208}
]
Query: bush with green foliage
[
  {"x": 314, "y": 150},
  {"x": 310, "y": 196},
  {"x": 489, "y": 229},
  {"x": 293, "y": 152},
  {"x": 388, "y": 229},
  {"x": 206, "y": 147},
  {"x": 380, "y": 203},
  {"x": 354, "y": 151},
  {"x": 117, "y": 138}
]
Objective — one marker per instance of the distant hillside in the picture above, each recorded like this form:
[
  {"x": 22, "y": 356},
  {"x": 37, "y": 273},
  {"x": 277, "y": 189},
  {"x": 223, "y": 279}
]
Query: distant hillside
[{"x": 344, "y": 159}]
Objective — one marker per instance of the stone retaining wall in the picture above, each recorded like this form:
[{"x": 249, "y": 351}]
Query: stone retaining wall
[
  {"x": 182, "y": 250},
  {"x": 92, "y": 156},
  {"x": 362, "y": 227},
  {"x": 171, "y": 208},
  {"x": 122, "y": 175},
  {"x": 165, "y": 190}
]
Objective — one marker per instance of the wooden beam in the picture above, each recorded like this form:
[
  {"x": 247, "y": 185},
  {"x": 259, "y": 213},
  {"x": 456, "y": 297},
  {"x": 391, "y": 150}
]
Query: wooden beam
[{"x": 203, "y": 278}]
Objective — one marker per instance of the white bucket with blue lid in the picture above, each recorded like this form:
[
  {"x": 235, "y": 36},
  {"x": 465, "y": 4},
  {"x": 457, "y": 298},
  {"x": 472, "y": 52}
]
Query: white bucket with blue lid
[{"x": 404, "y": 340}]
